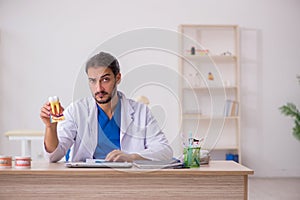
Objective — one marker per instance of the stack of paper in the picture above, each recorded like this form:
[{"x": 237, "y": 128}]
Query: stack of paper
[{"x": 148, "y": 164}]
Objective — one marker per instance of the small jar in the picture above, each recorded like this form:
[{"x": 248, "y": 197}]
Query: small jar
[
  {"x": 193, "y": 51},
  {"x": 22, "y": 162},
  {"x": 5, "y": 162}
]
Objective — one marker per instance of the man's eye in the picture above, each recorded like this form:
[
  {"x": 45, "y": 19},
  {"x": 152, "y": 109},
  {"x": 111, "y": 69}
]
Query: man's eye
[
  {"x": 105, "y": 79},
  {"x": 92, "y": 80}
]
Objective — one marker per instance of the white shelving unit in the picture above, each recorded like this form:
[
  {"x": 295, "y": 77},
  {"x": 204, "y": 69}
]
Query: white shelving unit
[{"x": 209, "y": 88}]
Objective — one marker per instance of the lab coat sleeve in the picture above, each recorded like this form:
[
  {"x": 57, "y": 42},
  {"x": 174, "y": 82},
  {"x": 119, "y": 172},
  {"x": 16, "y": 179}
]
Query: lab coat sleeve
[
  {"x": 157, "y": 147},
  {"x": 66, "y": 132}
]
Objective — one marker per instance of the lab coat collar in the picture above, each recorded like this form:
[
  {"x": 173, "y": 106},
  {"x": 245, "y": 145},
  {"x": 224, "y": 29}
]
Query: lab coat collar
[{"x": 127, "y": 113}]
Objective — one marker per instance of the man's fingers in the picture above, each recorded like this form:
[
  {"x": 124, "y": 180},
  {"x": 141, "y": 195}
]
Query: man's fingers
[
  {"x": 117, "y": 158},
  {"x": 112, "y": 155},
  {"x": 45, "y": 114},
  {"x": 45, "y": 111}
]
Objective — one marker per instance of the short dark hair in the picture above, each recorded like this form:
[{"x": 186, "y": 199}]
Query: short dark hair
[{"x": 103, "y": 59}]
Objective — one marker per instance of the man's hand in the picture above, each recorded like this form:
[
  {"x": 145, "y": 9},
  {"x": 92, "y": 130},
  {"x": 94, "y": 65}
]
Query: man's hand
[
  {"x": 46, "y": 111},
  {"x": 119, "y": 156},
  {"x": 50, "y": 139}
]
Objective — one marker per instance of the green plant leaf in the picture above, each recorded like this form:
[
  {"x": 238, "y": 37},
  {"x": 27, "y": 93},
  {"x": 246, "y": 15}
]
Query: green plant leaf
[
  {"x": 296, "y": 130},
  {"x": 291, "y": 110}
]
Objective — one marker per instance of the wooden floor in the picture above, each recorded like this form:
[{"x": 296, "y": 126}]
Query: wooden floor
[{"x": 274, "y": 188}]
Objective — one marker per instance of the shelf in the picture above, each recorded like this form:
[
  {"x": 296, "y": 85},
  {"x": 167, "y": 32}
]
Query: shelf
[
  {"x": 211, "y": 88},
  {"x": 216, "y": 49},
  {"x": 211, "y": 57},
  {"x": 222, "y": 148},
  {"x": 206, "y": 117}
]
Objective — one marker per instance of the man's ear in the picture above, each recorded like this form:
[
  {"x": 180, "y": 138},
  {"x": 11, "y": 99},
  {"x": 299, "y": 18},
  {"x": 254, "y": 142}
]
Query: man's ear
[{"x": 118, "y": 78}]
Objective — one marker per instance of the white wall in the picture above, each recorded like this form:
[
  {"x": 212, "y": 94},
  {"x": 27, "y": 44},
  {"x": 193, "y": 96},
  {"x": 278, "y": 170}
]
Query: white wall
[{"x": 43, "y": 44}]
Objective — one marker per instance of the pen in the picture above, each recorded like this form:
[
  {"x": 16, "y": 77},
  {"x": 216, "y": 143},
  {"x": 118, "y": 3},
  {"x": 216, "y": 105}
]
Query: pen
[
  {"x": 100, "y": 161},
  {"x": 189, "y": 149},
  {"x": 190, "y": 139}
]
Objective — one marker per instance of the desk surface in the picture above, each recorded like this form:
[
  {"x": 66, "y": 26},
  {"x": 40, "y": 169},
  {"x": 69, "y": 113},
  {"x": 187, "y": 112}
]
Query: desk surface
[{"x": 214, "y": 168}]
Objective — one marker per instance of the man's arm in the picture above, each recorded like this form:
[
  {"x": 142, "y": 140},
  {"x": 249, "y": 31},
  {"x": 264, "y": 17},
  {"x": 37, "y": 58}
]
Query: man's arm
[{"x": 51, "y": 139}]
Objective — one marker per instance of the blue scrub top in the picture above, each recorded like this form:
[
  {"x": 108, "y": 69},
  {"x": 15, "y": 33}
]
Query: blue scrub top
[{"x": 108, "y": 132}]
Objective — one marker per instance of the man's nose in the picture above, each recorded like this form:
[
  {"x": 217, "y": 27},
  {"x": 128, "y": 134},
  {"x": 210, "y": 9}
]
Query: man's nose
[{"x": 99, "y": 86}]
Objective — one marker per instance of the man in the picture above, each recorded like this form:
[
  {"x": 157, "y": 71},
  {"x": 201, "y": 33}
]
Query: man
[{"x": 108, "y": 125}]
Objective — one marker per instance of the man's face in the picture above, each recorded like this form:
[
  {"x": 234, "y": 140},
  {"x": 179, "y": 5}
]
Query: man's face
[{"x": 103, "y": 83}]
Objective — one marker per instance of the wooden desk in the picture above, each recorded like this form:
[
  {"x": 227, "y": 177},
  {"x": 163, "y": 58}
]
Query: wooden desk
[
  {"x": 219, "y": 180},
  {"x": 25, "y": 137}
]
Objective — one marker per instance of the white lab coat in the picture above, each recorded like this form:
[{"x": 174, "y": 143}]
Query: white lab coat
[{"x": 139, "y": 131}]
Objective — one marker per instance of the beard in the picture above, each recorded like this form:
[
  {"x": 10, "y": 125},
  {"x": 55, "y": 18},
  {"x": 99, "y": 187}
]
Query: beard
[{"x": 108, "y": 98}]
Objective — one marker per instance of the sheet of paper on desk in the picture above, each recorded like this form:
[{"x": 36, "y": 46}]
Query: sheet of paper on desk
[
  {"x": 98, "y": 163},
  {"x": 148, "y": 164}
]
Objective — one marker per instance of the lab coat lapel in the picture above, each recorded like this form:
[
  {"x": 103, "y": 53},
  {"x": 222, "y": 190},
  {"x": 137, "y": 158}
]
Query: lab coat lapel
[
  {"x": 126, "y": 115},
  {"x": 93, "y": 124}
]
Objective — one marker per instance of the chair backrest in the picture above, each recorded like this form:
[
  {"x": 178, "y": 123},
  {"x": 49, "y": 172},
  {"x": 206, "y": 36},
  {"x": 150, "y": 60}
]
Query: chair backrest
[{"x": 143, "y": 99}]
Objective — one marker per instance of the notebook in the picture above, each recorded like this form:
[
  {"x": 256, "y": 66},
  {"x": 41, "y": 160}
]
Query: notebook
[{"x": 99, "y": 164}]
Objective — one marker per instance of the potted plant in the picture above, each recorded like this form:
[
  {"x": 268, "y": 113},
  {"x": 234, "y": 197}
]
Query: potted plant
[{"x": 291, "y": 110}]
